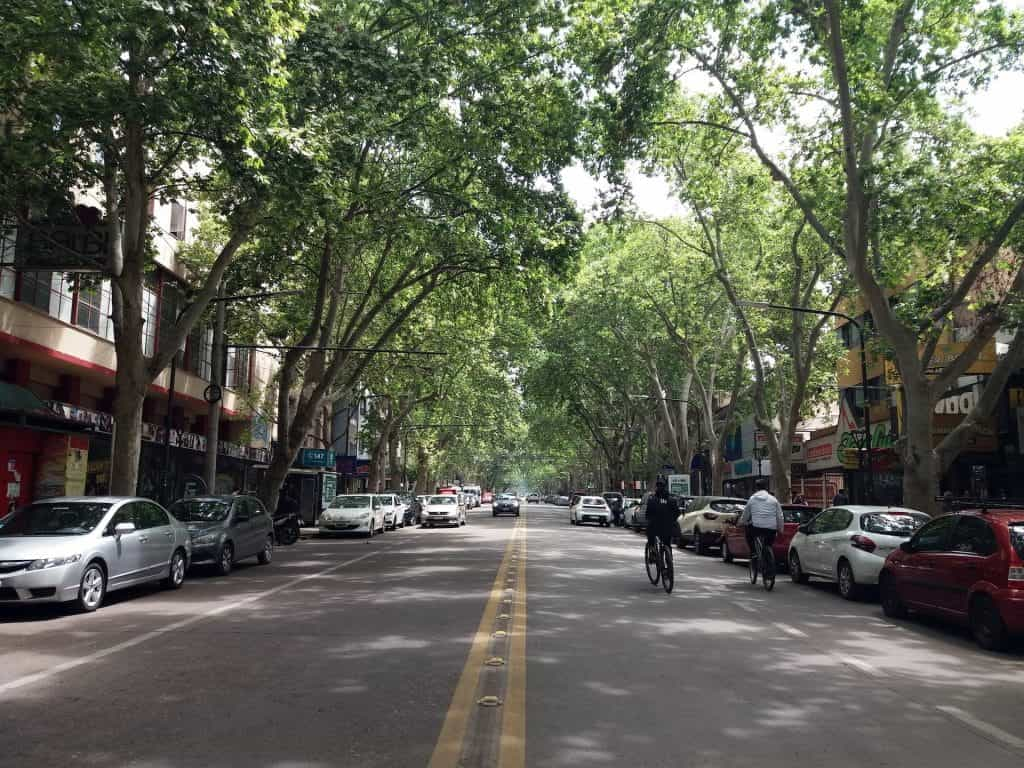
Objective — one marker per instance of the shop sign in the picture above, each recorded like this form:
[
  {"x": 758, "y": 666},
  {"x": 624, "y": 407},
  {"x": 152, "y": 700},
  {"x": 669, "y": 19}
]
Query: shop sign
[
  {"x": 315, "y": 457},
  {"x": 64, "y": 245},
  {"x": 102, "y": 422}
]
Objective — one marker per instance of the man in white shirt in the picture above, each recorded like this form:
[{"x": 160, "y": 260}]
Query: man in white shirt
[{"x": 762, "y": 516}]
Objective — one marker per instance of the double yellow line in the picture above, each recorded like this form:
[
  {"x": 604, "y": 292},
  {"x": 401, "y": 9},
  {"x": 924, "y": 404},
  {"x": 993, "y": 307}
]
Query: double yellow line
[{"x": 494, "y": 676}]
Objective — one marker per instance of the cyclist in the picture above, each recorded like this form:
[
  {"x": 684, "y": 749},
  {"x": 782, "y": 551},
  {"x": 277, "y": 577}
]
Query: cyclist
[
  {"x": 662, "y": 511},
  {"x": 762, "y": 516}
]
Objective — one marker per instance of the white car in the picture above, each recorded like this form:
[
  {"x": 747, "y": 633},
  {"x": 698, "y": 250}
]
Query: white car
[
  {"x": 352, "y": 513},
  {"x": 849, "y": 544},
  {"x": 703, "y": 523},
  {"x": 443, "y": 509},
  {"x": 590, "y": 509},
  {"x": 394, "y": 510}
]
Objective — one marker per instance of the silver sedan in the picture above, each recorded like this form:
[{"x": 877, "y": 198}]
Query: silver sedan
[{"x": 79, "y": 548}]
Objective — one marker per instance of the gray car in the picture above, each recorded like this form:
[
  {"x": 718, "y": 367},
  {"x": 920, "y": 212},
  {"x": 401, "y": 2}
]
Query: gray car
[
  {"x": 226, "y": 529},
  {"x": 79, "y": 548}
]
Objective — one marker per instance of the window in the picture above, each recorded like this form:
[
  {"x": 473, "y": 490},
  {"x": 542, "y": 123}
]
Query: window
[
  {"x": 125, "y": 514},
  {"x": 179, "y": 214},
  {"x": 149, "y": 515},
  {"x": 90, "y": 306},
  {"x": 237, "y": 371},
  {"x": 200, "y": 356},
  {"x": 149, "y": 321},
  {"x": 8, "y": 277},
  {"x": 823, "y": 521},
  {"x": 242, "y": 511},
  {"x": 973, "y": 536},
  {"x": 933, "y": 536}
]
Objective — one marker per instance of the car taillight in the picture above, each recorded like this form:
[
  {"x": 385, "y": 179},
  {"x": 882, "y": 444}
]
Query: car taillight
[
  {"x": 1016, "y": 573},
  {"x": 863, "y": 542},
  {"x": 710, "y": 516}
]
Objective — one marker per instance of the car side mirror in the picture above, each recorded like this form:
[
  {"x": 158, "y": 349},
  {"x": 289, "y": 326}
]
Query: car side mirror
[
  {"x": 906, "y": 546},
  {"x": 122, "y": 528},
  {"x": 805, "y": 528}
]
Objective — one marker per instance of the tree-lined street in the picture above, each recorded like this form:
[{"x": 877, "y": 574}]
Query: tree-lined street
[{"x": 349, "y": 653}]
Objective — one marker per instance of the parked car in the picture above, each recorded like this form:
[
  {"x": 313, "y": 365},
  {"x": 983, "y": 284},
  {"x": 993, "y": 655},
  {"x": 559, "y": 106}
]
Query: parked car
[
  {"x": 561, "y": 501},
  {"x": 590, "y": 509},
  {"x": 505, "y": 504},
  {"x": 968, "y": 568},
  {"x": 443, "y": 509},
  {"x": 226, "y": 529},
  {"x": 533, "y": 498},
  {"x": 394, "y": 511},
  {"x": 704, "y": 519},
  {"x": 77, "y": 549},
  {"x": 734, "y": 540},
  {"x": 632, "y": 511},
  {"x": 352, "y": 513},
  {"x": 487, "y": 497},
  {"x": 849, "y": 544}
]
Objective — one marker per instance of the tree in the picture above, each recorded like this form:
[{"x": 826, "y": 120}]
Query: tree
[
  {"x": 878, "y": 158},
  {"x": 135, "y": 101}
]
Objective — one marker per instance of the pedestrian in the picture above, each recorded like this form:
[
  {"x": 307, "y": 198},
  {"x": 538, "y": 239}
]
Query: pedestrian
[
  {"x": 799, "y": 499},
  {"x": 947, "y": 503},
  {"x": 840, "y": 498}
]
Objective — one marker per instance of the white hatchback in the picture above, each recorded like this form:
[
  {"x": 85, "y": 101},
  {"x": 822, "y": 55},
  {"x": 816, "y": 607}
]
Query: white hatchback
[
  {"x": 849, "y": 544},
  {"x": 352, "y": 513},
  {"x": 590, "y": 509}
]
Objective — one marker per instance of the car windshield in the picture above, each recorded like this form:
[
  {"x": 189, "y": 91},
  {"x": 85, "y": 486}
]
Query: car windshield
[
  {"x": 1017, "y": 538},
  {"x": 201, "y": 510},
  {"x": 444, "y": 500},
  {"x": 352, "y": 502},
  {"x": 892, "y": 523},
  {"x": 506, "y": 497},
  {"x": 71, "y": 518}
]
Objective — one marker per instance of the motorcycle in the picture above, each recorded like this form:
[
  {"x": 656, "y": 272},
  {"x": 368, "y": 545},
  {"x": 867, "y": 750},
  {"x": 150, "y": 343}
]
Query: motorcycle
[{"x": 286, "y": 528}]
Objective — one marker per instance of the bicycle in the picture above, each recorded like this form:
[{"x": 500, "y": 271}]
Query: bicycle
[
  {"x": 763, "y": 559},
  {"x": 658, "y": 561}
]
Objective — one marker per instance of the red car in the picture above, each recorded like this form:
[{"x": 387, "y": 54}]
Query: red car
[
  {"x": 734, "y": 542},
  {"x": 968, "y": 567}
]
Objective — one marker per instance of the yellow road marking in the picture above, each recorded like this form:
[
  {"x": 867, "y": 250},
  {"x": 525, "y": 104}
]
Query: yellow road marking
[
  {"x": 513, "y": 727},
  {"x": 448, "y": 749}
]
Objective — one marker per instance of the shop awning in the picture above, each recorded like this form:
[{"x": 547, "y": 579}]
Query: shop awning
[{"x": 20, "y": 400}]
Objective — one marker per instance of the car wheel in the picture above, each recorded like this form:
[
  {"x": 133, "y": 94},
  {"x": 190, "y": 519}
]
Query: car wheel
[
  {"x": 987, "y": 625},
  {"x": 892, "y": 604},
  {"x": 267, "y": 553},
  {"x": 226, "y": 560},
  {"x": 176, "y": 573},
  {"x": 848, "y": 586},
  {"x": 698, "y": 542},
  {"x": 726, "y": 554},
  {"x": 796, "y": 573},
  {"x": 494, "y": 514},
  {"x": 92, "y": 588}
]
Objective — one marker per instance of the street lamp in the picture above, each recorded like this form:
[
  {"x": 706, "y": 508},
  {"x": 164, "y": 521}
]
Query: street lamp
[
  {"x": 869, "y": 471},
  {"x": 165, "y": 484}
]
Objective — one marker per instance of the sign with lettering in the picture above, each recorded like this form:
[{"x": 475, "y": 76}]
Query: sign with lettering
[{"x": 315, "y": 457}]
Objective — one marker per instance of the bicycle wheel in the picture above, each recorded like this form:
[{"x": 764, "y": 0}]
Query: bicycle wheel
[
  {"x": 668, "y": 573},
  {"x": 652, "y": 563},
  {"x": 769, "y": 569},
  {"x": 753, "y": 564}
]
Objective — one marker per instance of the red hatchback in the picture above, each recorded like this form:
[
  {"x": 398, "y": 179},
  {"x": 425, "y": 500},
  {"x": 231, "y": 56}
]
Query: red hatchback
[
  {"x": 968, "y": 567},
  {"x": 734, "y": 543}
]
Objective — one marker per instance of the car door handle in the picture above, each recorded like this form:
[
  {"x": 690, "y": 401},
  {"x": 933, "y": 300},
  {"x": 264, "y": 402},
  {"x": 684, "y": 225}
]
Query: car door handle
[
  {"x": 169, "y": 534},
  {"x": 143, "y": 539}
]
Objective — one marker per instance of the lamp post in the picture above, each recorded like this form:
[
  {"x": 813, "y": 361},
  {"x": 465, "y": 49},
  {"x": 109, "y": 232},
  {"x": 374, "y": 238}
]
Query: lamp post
[
  {"x": 868, "y": 469},
  {"x": 166, "y": 487}
]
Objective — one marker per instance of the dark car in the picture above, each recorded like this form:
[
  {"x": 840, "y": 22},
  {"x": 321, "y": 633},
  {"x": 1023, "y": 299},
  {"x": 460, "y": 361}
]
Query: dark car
[
  {"x": 226, "y": 529},
  {"x": 505, "y": 504},
  {"x": 413, "y": 508},
  {"x": 968, "y": 568}
]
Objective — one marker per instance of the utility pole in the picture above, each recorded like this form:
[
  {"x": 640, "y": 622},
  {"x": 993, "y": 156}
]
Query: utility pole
[{"x": 213, "y": 410}]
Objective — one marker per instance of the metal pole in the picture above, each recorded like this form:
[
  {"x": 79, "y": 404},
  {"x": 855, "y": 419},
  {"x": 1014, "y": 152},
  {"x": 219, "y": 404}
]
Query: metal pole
[
  {"x": 166, "y": 489},
  {"x": 213, "y": 409},
  {"x": 869, "y": 472}
]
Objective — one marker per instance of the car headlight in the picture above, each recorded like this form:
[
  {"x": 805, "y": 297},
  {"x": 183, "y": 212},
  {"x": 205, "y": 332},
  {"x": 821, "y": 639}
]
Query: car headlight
[
  {"x": 206, "y": 538},
  {"x": 52, "y": 562},
  {"x": 364, "y": 516}
]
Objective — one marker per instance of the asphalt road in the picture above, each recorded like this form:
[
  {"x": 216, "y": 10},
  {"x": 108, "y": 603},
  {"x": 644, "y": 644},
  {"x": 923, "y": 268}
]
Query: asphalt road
[{"x": 388, "y": 652}]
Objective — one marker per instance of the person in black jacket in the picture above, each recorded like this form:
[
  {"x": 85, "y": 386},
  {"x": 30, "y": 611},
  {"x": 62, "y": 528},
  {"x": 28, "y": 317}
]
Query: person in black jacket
[{"x": 662, "y": 511}]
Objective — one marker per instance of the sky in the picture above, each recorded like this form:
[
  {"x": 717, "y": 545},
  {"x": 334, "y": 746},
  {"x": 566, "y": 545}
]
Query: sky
[{"x": 995, "y": 110}]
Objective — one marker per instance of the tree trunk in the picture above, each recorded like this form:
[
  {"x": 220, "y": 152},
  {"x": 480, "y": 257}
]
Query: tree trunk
[
  {"x": 920, "y": 482},
  {"x": 717, "y": 468},
  {"x": 127, "y": 443}
]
